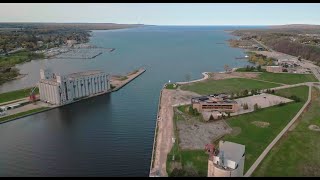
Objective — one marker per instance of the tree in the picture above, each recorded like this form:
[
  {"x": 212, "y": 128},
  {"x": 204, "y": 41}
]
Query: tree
[
  {"x": 259, "y": 68},
  {"x": 245, "y": 92},
  {"x": 247, "y": 68},
  {"x": 177, "y": 172},
  {"x": 255, "y": 107},
  {"x": 245, "y": 106}
]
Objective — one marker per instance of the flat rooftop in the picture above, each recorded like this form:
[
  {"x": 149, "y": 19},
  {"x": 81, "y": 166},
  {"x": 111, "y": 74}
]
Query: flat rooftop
[
  {"x": 85, "y": 73},
  {"x": 231, "y": 151},
  {"x": 49, "y": 81}
]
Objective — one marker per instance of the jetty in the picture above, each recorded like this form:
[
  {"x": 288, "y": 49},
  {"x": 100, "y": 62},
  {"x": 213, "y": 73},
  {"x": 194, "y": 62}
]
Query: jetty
[{"x": 120, "y": 81}]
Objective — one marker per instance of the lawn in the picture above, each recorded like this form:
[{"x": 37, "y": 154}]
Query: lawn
[
  {"x": 22, "y": 114},
  {"x": 297, "y": 154},
  {"x": 171, "y": 86},
  {"x": 13, "y": 95},
  {"x": 234, "y": 85},
  {"x": 287, "y": 78},
  {"x": 255, "y": 138}
]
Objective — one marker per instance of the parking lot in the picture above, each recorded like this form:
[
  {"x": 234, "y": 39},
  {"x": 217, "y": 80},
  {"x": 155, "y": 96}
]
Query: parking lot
[{"x": 262, "y": 100}]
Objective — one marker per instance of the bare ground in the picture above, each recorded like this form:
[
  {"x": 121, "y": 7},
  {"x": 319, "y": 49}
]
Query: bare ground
[
  {"x": 219, "y": 76},
  {"x": 261, "y": 124},
  {"x": 197, "y": 134},
  {"x": 164, "y": 143}
]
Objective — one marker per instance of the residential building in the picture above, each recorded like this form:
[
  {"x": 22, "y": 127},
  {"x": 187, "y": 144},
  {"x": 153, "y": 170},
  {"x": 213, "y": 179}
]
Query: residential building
[{"x": 59, "y": 90}]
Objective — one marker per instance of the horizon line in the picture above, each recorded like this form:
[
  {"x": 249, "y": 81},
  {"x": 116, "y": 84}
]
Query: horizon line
[{"x": 159, "y": 24}]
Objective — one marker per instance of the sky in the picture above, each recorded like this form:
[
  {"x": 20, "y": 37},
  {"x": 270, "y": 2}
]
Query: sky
[{"x": 164, "y": 13}]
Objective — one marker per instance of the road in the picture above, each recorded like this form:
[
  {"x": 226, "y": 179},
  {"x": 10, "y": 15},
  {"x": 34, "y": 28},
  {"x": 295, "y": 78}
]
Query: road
[
  {"x": 266, "y": 151},
  {"x": 266, "y": 47}
]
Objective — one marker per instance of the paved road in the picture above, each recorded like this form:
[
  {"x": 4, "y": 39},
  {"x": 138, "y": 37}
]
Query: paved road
[
  {"x": 266, "y": 151},
  {"x": 266, "y": 47}
]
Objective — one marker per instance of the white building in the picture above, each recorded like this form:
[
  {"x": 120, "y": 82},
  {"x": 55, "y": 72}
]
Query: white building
[
  {"x": 228, "y": 161},
  {"x": 59, "y": 90}
]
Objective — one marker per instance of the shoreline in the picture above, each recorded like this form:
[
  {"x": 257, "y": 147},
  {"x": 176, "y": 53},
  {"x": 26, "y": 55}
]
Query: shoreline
[
  {"x": 156, "y": 165},
  {"x": 133, "y": 76}
]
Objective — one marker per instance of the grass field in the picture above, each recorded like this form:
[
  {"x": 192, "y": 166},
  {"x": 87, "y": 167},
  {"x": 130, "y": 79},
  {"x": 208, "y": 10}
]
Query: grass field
[
  {"x": 13, "y": 95},
  {"x": 296, "y": 154},
  {"x": 22, "y": 114},
  {"x": 255, "y": 138},
  {"x": 170, "y": 86},
  {"x": 234, "y": 85},
  {"x": 287, "y": 78}
]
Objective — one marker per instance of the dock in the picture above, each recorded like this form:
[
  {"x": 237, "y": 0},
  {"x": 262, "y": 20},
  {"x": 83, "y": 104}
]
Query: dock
[{"x": 130, "y": 76}]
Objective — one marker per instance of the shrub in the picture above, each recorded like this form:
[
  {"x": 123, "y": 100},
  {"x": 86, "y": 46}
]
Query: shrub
[
  {"x": 245, "y": 106},
  {"x": 245, "y": 92},
  {"x": 295, "y": 98},
  {"x": 256, "y": 107}
]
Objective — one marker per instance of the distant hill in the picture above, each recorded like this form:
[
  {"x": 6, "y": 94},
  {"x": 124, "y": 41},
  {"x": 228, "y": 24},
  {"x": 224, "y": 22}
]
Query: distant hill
[
  {"x": 295, "y": 26},
  {"x": 84, "y": 26}
]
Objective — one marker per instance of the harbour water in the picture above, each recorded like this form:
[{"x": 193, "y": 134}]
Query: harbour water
[{"x": 112, "y": 134}]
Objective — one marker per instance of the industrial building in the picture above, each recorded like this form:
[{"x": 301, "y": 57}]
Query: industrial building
[
  {"x": 64, "y": 89},
  {"x": 227, "y": 161},
  {"x": 215, "y": 102}
]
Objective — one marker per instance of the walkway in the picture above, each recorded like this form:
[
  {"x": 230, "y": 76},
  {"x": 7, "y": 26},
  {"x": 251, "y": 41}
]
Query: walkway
[
  {"x": 205, "y": 76},
  {"x": 265, "y": 152}
]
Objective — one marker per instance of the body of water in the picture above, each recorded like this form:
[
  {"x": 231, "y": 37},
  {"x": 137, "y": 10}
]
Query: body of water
[{"x": 110, "y": 135}]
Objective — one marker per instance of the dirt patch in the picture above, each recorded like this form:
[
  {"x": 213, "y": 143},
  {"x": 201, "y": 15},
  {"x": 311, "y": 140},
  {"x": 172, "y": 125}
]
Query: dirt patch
[
  {"x": 219, "y": 76},
  {"x": 309, "y": 169},
  {"x": 176, "y": 165},
  {"x": 197, "y": 134},
  {"x": 235, "y": 131},
  {"x": 261, "y": 124},
  {"x": 313, "y": 127}
]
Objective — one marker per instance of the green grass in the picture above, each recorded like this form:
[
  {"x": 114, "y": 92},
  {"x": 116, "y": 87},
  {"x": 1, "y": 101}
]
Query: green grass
[
  {"x": 256, "y": 139},
  {"x": 244, "y": 69},
  {"x": 13, "y": 95},
  {"x": 234, "y": 85},
  {"x": 19, "y": 57},
  {"x": 170, "y": 86},
  {"x": 296, "y": 154},
  {"x": 287, "y": 78},
  {"x": 22, "y": 114}
]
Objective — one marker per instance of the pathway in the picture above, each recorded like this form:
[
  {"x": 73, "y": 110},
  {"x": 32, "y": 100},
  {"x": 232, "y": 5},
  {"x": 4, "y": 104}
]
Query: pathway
[{"x": 265, "y": 152}]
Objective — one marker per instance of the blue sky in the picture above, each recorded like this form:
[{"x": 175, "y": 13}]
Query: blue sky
[{"x": 164, "y": 13}]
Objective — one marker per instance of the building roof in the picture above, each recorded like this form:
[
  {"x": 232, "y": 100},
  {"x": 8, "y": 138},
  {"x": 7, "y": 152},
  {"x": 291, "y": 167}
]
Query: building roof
[
  {"x": 85, "y": 73},
  {"x": 231, "y": 151},
  {"x": 49, "y": 81}
]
